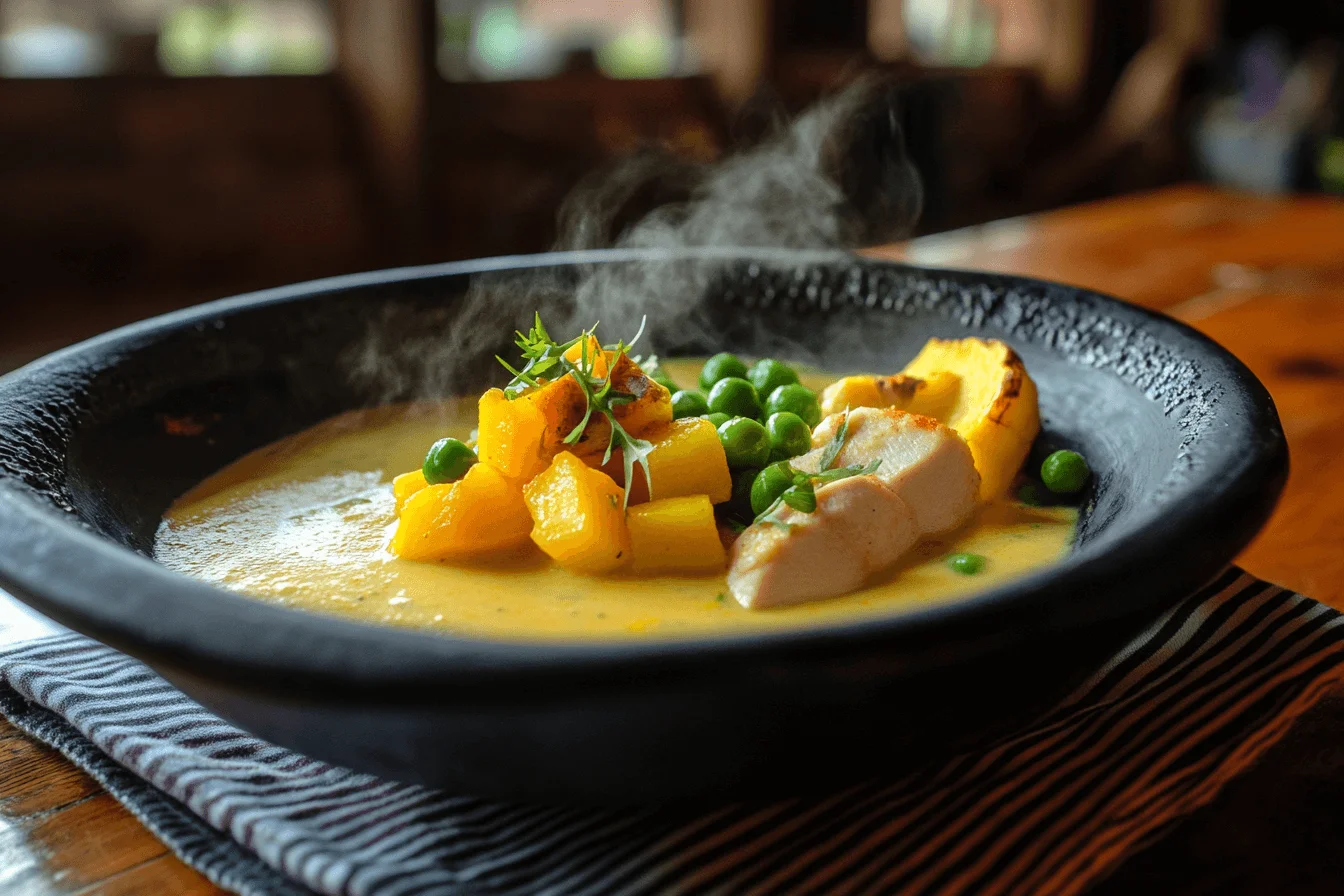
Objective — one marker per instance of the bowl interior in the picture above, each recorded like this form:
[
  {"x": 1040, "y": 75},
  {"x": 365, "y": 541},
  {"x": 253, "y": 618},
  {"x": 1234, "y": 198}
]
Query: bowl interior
[{"x": 163, "y": 408}]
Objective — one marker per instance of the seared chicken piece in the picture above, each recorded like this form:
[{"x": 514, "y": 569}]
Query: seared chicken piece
[
  {"x": 859, "y": 528},
  {"x": 926, "y": 484},
  {"x": 923, "y": 461}
]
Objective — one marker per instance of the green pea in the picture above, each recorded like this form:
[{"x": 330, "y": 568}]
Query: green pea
[
  {"x": 687, "y": 403},
  {"x": 769, "y": 485},
  {"x": 1065, "y": 472},
  {"x": 1030, "y": 495},
  {"x": 796, "y": 399},
  {"x": 966, "y": 564},
  {"x": 721, "y": 366},
  {"x": 745, "y": 442},
  {"x": 662, "y": 379},
  {"x": 789, "y": 435},
  {"x": 735, "y": 396},
  {"x": 740, "y": 503},
  {"x": 767, "y": 375},
  {"x": 447, "y": 461},
  {"x": 718, "y": 419}
]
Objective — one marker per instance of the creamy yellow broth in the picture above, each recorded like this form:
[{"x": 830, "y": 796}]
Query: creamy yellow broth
[{"x": 305, "y": 523}]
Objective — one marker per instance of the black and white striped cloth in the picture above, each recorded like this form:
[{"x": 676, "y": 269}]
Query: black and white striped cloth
[{"x": 1152, "y": 736}]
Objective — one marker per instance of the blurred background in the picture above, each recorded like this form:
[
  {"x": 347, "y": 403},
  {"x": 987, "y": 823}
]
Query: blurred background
[{"x": 157, "y": 153}]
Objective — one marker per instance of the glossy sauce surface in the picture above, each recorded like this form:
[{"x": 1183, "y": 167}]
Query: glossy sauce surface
[{"x": 305, "y": 522}]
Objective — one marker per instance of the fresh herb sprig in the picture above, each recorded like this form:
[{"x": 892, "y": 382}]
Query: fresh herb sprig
[
  {"x": 542, "y": 355},
  {"x": 801, "y": 495},
  {"x": 545, "y": 360}
]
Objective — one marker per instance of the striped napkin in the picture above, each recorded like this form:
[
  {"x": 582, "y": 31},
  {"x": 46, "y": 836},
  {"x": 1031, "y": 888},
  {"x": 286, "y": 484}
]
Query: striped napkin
[{"x": 1051, "y": 809}]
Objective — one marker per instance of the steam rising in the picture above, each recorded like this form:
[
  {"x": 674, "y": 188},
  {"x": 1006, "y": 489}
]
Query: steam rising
[{"x": 837, "y": 177}]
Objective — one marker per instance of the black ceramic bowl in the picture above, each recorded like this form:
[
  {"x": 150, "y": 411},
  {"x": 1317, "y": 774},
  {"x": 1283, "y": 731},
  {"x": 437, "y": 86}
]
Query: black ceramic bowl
[{"x": 1185, "y": 442}]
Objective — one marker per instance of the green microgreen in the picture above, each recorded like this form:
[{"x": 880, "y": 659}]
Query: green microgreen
[
  {"x": 836, "y": 444},
  {"x": 624, "y": 347},
  {"x": 545, "y": 358},
  {"x": 541, "y": 355},
  {"x": 802, "y": 494}
]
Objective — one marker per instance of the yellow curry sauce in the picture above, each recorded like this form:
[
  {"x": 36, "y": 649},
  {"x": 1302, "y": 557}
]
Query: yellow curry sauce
[{"x": 305, "y": 523}]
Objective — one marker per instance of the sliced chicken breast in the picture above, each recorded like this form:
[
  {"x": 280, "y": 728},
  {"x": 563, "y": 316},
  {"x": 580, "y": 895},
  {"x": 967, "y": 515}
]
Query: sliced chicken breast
[
  {"x": 859, "y": 528},
  {"x": 924, "y": 462},
  {"x": 925, "y": 484}
]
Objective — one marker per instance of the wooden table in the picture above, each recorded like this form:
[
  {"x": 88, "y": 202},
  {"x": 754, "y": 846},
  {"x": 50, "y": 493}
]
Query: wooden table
[{"x": 1265, "y": 277}]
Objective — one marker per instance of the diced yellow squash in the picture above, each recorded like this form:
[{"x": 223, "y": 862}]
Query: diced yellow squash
[
  {"x": 933, "y": 396},
  {"x": 995, "y": 410},
  {"x": 675, "y": 535},
  {"x": 480, "y": 514},
  {"x": 652, "y": 406},
  {"x": 578, "y": 516},
  {"x": 510, "y": 436},
  {"x": 615, "y": 468},
  {"x": 563, "y": 404},
  {"x": 601, "y": 360},
  {"x": 406, "y": 485},
  {"x": 687, "y": 459},
  {"x": 520, "y": 436}
]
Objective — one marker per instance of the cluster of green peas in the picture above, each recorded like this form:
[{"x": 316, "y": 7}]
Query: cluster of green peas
[{"x": 764, "y": 417}]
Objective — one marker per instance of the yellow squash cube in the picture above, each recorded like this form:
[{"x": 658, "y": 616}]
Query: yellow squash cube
[
  {"x": 520, "y": 436},
  {"x": 675, "y": 535},
  {"x": 480, "y": 514},
  {"x": 406, "y": 485},
  {"x": 652, "y": 406},
  {"x": 687, "y": 459},
  {"x": 563, "y": 406},
  {"x": 599, "y": 359},
  {"x": 578, "y": 516},
  {"x": 510, "y": 436}
]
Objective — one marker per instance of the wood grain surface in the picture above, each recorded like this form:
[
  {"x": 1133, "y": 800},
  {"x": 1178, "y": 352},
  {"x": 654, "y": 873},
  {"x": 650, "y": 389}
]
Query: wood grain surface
[{"x": 1264, "y": 277}]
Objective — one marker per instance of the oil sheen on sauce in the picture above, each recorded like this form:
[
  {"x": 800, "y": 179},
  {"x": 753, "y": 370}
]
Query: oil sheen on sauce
[{"x": 305, "y": 523}]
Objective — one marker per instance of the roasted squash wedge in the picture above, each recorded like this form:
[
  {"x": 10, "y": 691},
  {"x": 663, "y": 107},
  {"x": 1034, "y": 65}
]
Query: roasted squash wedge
[
  {"x": 675, "y": 535},
  {"x": 995, "y": 409},
  {"x": 932, "y": 396},
  {"x": 578, "y": 516},
  {"x": 480, "y": 514}
]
